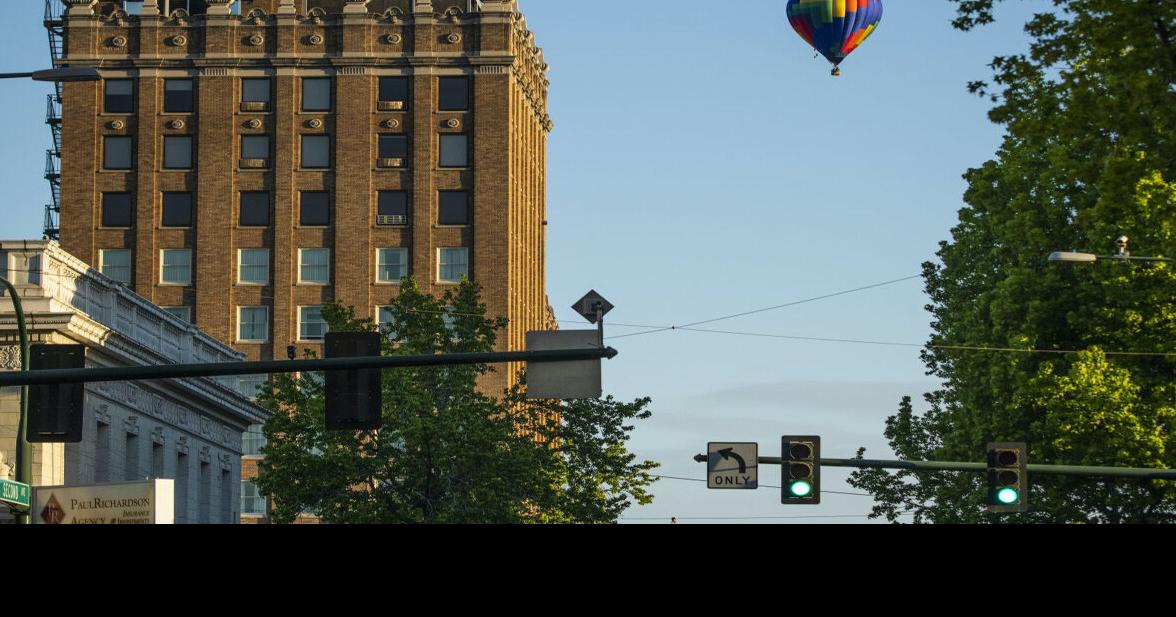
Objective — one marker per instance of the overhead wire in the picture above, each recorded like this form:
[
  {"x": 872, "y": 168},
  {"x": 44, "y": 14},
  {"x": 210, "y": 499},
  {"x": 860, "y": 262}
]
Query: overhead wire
[{"x": 661, "y": 477}]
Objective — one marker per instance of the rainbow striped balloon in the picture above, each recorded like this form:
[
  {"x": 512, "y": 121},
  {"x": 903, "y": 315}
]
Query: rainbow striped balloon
[{"x": 835, "y": 27}]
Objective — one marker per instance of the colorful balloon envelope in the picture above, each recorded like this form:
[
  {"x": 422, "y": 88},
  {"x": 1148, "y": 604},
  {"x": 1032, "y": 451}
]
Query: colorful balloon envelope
[{"x": 835, "y": 27}]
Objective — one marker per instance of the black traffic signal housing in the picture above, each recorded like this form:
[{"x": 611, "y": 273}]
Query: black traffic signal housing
[
  {"x": 1008, "y": 478},
  {"x": 801, "y": 469},
  {"x": 55, "y": 410},
  {"x": 354, "y": 398}
]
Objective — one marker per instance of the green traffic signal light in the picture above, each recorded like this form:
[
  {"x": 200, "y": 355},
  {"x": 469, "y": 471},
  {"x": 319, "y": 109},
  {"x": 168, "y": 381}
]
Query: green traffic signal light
[
  {"x": 1008, "y": 495},
  {"x": 800, "y": 488}
]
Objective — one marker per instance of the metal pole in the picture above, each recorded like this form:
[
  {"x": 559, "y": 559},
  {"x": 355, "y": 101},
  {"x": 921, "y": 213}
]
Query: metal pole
[
  {"x": 175, "y": 371},
  {"x": 14, "y": 75},
  {"x": 1049, "y": 470},
  {"x": 24, "y": 455}
]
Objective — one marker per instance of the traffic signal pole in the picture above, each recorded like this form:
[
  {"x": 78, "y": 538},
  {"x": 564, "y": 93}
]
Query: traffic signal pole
[
  {"x": 224, "y": 369},
  {"x": 24, "y": 456},
  {"x": 1141, "y": 473}
]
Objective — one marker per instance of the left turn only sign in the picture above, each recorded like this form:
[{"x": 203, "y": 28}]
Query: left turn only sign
[{"x": 732, "y": 465}]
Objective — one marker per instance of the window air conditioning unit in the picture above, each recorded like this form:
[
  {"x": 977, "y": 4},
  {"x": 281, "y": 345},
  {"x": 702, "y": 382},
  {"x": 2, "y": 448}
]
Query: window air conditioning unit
[
  {"x": 392, "y": 219},
  {"x": 254, "y": 106},
  {"x": 254, "y": 163},
  {"x": 390, "y": 105},
  {"x": 390, "y": 163}
]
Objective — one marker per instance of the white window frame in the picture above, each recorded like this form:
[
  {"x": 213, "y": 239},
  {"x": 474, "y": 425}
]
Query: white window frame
[
  {"x": 380, "y": 324},
  {"x": 302, "y": 323},
  {"x": 302, "y": 281},
  {"x": 163, "y": 265},
  {"x": 441, "y": 252},
  {"x": 241, "y": 321},
  {"x": 380, "y": 280},
  {"x": 102, "y": 264},
  {"x": 241, "y": 267}
]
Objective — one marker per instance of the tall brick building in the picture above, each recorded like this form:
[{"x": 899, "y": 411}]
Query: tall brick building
[{"x": 242, "y": 163}]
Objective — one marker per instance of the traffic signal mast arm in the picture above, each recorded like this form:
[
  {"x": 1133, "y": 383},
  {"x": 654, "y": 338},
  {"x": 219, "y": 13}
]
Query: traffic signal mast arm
[
  {"x": 1056, "y": 470},
  {"x": 173, "y": 371}
]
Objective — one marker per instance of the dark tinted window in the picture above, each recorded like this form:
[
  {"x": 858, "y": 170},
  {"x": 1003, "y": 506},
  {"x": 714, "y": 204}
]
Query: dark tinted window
[
  {"x": 255, "y": 146},
  {"x": 255, "y": 90},
  {"x": 394, "y": 89},
  {"x": 393, "y": 146},
  {"x": 316, "y": 94},
  {"x": 116, "y": 210},
  {"x": 177, "y": 210},
  {"x": 255, "y": 209},
  {"x": 116, "y": 152},
  {"x": 315, "y": 210},
  {"x": 393, "y": 203},
  {"x": 316, "y": 151},
  {"x": 453, "y": 208},
  {"x": 120, "y": 96},
  {"x": 177, "y": 95},
  {"x": 455, "y": 94},
  {"x": 454, "y": 151},
  {"x": 177, "y": 152}
]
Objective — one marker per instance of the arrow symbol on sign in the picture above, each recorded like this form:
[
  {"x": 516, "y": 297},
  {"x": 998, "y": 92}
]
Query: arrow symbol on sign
[{"x": 729, "y": 453}]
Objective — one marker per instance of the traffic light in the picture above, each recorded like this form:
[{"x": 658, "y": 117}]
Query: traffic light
[
  {"x": 801, "y": 466},
  {"x": 354, "y": 398},
  {"x": 1008, "y": 480},
  {"x": 55, "y": 410}
]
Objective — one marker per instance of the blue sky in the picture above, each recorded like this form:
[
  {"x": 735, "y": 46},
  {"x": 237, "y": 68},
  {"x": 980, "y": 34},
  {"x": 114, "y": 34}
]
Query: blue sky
[{"x": 704, "y": 163}]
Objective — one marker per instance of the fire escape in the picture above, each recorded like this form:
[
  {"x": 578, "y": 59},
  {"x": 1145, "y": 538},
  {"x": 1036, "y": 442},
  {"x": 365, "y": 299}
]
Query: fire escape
[{"x": 55, "y": 25}]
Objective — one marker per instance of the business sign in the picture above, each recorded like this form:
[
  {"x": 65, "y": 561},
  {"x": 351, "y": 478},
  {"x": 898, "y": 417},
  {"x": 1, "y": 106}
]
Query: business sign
[
  {"x": 14, "y": 493},
  {"x": 732, "y": 465},
  {"x": 129, "y": 503}
]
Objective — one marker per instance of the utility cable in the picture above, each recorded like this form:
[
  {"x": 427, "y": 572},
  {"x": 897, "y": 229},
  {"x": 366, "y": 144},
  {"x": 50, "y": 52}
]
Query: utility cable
[{"x": 761, "y": 485}]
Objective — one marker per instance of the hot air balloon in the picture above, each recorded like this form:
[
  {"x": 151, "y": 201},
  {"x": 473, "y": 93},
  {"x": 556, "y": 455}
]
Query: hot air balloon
[{"x": 835, "y": 27}]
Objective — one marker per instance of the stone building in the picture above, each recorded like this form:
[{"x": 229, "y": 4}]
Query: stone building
[
  {"x": 242, "y": 163},
  {"x": 189, "y": 430}
]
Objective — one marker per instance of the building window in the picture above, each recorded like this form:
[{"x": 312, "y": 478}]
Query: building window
[
  {"x": 314, "y": 266},
  {"x": 315, "y": 210},
  {"x": 255, "y": 147},
  {"x": 116, "y": 210},
  {"x": 391, "y": 265},
  {"x": 454, "y": 94},
  {"x": 393, "y": 146},
  {"x": 249, "y": 386},
  {"x": 175, "y": 267},
  {"x": 311, "y": 326},
  {"x": 177, "y": 152},
  {"x": 252, "y": 501},
  {"x": 252, "y": 324},
  {"x": 116, "y": 152},
  {"x": 385, "y": 320},
  {"x": 177, "y": 96},
  {"x": 255, "y": 94},
  {"x": 452, "y": 264},
  {"x": 316, "y": 151},
  {"x": 453, "y": 208},
  {"x": 253, "y": 266},
  {"x": 116, "y": 264},
  {"x": 392, "y": 208},
  {"x": 316, "y": 94},
  {"x": 183, "y": 313},
  {"x": 253, "y": 440},
  {"x": 119, "y": 96},
  {"x": 455, "y": 151},
  {"x": 394, "y": 89},
  {"x": 255, "y": 209},
  {"x": 177, "y": 210}
]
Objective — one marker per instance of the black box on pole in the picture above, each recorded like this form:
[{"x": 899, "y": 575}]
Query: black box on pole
[
  {"x": 354, "y": 398},
  {"x": 55, "y": 411}
]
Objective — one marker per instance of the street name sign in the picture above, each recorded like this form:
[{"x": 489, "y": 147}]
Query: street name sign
[
  {"x": 732, "y": 466},
  {"x": 14, "y": 493}
]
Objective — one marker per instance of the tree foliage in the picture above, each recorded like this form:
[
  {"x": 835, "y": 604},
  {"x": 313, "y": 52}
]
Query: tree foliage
[
  {"x": 1089, "y": 153},
  {"x": 447, "y": 452}
]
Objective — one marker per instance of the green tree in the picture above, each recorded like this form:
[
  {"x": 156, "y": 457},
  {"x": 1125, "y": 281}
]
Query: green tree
[
  {"x": 448, "y": 453},
  {"x": 1089, "y": 153}
]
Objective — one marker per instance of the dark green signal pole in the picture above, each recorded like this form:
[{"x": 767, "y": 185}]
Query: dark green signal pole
[{"x": 24, "y": 466}]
